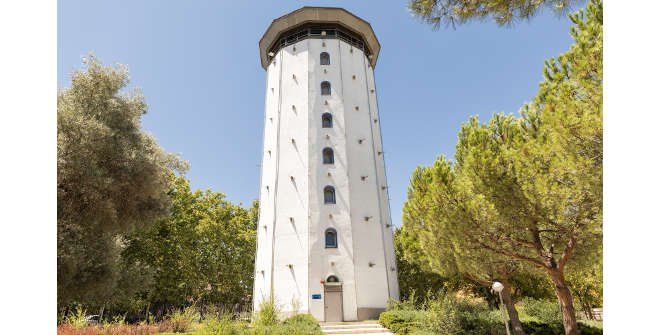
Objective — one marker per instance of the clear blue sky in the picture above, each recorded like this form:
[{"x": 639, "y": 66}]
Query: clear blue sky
[{"x": 197, "y": 63}]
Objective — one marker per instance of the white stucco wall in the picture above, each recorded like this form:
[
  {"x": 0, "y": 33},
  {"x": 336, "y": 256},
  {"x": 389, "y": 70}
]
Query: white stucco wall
[{"x": 291, "y": 255}]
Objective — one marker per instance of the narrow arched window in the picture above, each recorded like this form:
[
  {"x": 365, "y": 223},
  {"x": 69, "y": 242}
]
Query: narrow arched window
[
  {"x": 326, "y": 120},
  {"x": 325, "y": 58},
  {"x": 332, "y": 279},
  {"x": 328, "y": 156},
  {"x": 330, "y": 238},
  {"x": 329, "y": 195},
  {"x": 325, "y": 88}
]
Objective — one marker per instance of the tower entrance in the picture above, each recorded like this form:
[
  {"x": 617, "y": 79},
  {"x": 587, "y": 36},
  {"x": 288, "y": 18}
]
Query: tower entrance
[{"x": 333, "y": 301}]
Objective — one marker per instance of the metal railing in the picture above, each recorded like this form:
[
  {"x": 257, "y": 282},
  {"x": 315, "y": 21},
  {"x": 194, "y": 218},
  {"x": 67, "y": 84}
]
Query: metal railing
[{"x": 315, "y": 31}]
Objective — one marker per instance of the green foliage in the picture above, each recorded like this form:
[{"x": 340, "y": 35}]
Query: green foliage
[
  {"x": 503, "y": 12},
  {"x": 77, "y": 319},
  {"x": 543, "y": 311},
  {"x": 523, "y": 193},
  {"x": 222, "y": 325},
  {"x": 132, "y": 236},
  {"x": 302, "y": 324},
  {"x": 402, "y": 321},
  {"x": 181, "y": 320},
  {"x": 537, "y": 328},
  {"x": 204, "y": 251},
  {"x": 268, "y": 315},
  {"x": 111, "y": 178},
  {"x": 266, "y": 322},
  {"x": 449, "y": 314},
  {"x": 416, "y": 281},
  {"x": 454, "y": 313}
]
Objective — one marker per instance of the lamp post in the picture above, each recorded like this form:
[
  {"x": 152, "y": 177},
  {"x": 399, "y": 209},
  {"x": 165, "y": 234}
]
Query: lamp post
[{"x": 498, "y": 287}]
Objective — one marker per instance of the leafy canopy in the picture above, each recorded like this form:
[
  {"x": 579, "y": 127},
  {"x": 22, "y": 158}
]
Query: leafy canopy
[
  {"x": 111, "y": 177},
  {"x": 203, "y": 252},
  {"x": 525, "y": 191},
  {"x": 503, "y": 12}
]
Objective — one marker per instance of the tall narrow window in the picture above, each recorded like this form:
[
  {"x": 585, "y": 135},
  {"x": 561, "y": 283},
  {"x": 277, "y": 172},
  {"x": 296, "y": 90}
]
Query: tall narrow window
[
  {"x": 330, "y": 238},
  {"x": 329, "y": 195},
  {"x": 325, "y": 88},
  {"x": 326, "y": 120},
  {"x": 325, "y": 58},
  {"x": 328, "y": 156}
]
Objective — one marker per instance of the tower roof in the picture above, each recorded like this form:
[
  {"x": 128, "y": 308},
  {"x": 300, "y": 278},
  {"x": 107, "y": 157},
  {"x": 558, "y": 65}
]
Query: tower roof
[{"x": 327, "y": 15}]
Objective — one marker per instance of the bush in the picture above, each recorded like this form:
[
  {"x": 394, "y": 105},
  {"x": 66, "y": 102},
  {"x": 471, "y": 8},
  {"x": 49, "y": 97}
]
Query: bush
[
  {"x": 541, "y": 311},
  {"x": 180, "y": 321},
  {"x": 449, "y": 314},
  {"x": 455, "y": 314},
  {"x": 590, "y": 328},
  {"x": 268, "y": 314},
  {"x": 542, "y": 328},
  {"x": 223, "y": 325},
  {"x": 402, "y": 321},
  {"x": 77, "y": 319},
  {"x": 303, "y": 324}
]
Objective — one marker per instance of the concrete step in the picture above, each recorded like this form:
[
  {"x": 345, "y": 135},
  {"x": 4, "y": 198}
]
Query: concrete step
[
  {"x": 350, "y": 322},
  {"x": 351, "y": 326},
  {"x": 371, "y": 331},
  {"x": 347, "y": 328}
]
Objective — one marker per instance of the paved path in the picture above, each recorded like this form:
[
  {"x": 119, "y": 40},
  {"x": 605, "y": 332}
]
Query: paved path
[{"x": 356, "y": 327}]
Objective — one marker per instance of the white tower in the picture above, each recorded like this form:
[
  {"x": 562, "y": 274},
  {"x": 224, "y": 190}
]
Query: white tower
[{"x": 324, "y": 237}]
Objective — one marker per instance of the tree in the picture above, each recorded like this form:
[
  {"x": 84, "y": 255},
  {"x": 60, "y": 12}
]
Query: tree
[
  {"x": 111, "y": 178},
  {"x": 586, "y": 283},
  {"x": 416, "y": 281},
  {"x": 529, "y": 189},
  {"x": 203, "y": 252},
  {"x": 543, "y": 172},
  {"x": 437, "y": 202},
  {"x": 452, "y": 12}
]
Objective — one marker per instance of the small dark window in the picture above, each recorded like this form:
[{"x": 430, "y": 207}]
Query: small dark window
[
  {"x": 325, "y": 88},
  {"x": 325, "y": 58},
  {"x": 328, "y": 156},
  {"x": 330, "y": 238},
  {"x": 329, "y": 195},
  {"x": 326, "y": 120}
]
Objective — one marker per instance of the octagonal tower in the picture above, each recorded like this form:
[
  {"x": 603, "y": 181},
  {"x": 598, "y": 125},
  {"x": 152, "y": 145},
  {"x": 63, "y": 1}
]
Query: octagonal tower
[{"x": 325, "y": 234}]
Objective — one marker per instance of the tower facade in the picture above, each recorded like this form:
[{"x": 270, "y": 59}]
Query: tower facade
[{"x": 325, "y": 243}]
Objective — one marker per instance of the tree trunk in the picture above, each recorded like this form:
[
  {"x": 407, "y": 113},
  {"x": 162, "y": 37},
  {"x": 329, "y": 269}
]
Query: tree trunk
[
  {"x": 514, "y": 320},
  {"x": 565, "y": 301}
]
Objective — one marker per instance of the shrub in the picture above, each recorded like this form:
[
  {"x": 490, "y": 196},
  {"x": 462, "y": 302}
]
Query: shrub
[
  {"x": 77, "y": 319},
  {"x": 268, "y": 314},
  {"x": 181, "y": 320},
  {"x": 557, "y": 328},
  {"x": 402, "y": 321},
  {"x": 301, "y": 324},
  {"x": 223, "y": 325},
  {"x": 542, "y": 328},
  {"x": 542, "y": 311},
  {"x": 455, "y": 314},
  {"x": 590, "y": 328}
]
